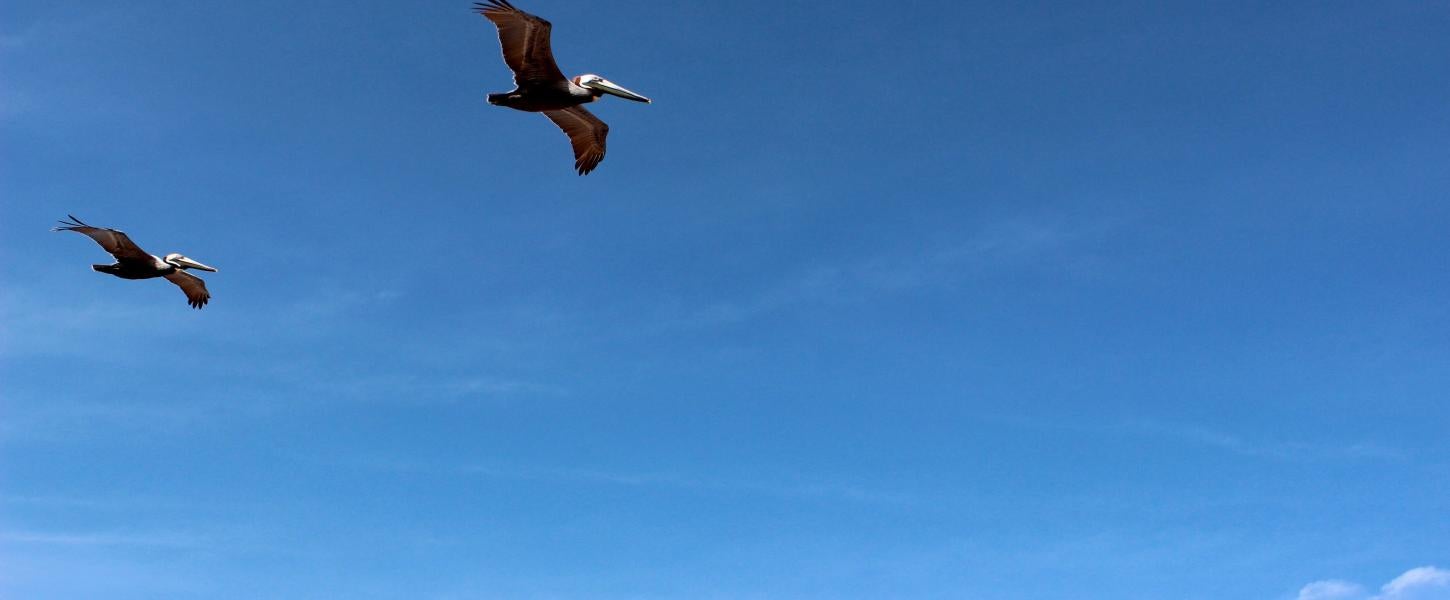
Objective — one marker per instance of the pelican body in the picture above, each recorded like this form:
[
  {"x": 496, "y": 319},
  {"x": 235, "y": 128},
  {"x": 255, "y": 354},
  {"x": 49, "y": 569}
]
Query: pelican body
[
  {"x": 558, "y": 95},
  {"x": 134, "y": 263},
  {"x": 159, "y": 267},
  {"x": 539, "y": 85}
]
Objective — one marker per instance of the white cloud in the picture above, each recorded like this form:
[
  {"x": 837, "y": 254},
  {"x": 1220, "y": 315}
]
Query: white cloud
[
  {"x": 1333, "y": 589},
  {"x": 1420, "y": 583}
]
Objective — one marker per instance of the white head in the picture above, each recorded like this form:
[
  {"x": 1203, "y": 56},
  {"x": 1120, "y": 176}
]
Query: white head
[
  {"x": 600, "y": 85},
  {"x": 183, "y": 263}
]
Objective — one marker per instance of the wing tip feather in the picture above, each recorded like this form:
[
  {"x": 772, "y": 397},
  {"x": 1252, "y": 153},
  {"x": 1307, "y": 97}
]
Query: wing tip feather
[
  {"x": 587, "y": 163},
  {"x": 494, "y": 6},
  {"x": 70, "y": 225}
]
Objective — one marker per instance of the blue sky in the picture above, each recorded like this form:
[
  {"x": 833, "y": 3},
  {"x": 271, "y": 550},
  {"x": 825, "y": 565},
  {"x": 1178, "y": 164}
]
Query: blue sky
[{"x": 1130, "y": 300}]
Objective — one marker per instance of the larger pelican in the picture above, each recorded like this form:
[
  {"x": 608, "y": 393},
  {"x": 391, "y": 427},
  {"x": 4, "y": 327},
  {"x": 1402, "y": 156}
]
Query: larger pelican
[
  {"x": 541, "y": 87},
  {"x": 134, "y": 263}
]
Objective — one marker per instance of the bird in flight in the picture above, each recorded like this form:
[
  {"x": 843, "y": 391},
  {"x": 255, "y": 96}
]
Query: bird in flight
[
  {"x": 541, "y": 87},
  {"x": 134, "y": 263}
]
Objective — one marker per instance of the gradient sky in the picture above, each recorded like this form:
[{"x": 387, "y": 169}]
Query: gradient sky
[{"x": 1127, "y": 300}]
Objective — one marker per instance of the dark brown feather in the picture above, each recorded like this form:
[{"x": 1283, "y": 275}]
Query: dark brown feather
[
  {"x": 192, "y": 286},
  {"x": 113, "y": 241},
  {"x": 525, "y": 42},
  {"x": 586, "y": 133}
]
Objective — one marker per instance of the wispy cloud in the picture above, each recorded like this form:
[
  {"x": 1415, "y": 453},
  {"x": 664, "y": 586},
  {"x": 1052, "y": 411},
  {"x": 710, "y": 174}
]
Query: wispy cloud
[
  {"x": 1002, "y": 244},
  {"x": 931, "y": 265},
  {"x": 420, "y": 389},
  {"x": 1420, "y": 583},
  {"x": 161, "y": 540},
  {"x": 572, "y": 476},
  {"x": 92, "y": 502},
  {"x": 780, "y": 489},
  {"x": 1332, "y": 589},
  {"x": 35, "y": 326},
  {"x": 65, "y": 419},
  {"x": 58, "y": 418},
  {"x": 1277, "y": 449},
  {"x": 37, "y": 323},
  {"x": 131, "y": 338},
  {"x": 1290, "y": 450}
]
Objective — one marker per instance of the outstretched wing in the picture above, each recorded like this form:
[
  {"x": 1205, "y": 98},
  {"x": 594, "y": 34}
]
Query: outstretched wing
[
  {"x": 525, "y": 41},
  {"x": 113, "y": 241},
  {"x": 195, "y": 288},
  {"x": 586, "y": 133}
]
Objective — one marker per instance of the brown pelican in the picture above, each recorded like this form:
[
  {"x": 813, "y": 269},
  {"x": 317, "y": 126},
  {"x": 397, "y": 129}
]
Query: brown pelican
[
  {"x": 539, "y": 86},
  {"x": 134, "y": 263}
]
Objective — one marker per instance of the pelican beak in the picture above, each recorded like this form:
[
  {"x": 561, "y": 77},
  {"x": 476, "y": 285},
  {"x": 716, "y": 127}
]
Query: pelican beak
[
  {"x": 609, "y": 87},
  {"x": 191, "y": 264}
]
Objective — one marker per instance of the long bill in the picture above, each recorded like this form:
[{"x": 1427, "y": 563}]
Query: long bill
[
  {"x": 609, "y": 87},
  {"x": 191, "y": 264}
]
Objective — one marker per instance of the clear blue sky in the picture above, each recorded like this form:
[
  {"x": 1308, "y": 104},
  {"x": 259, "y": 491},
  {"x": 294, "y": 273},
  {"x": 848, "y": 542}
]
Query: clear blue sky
[{"x": 1127, "y": 300}]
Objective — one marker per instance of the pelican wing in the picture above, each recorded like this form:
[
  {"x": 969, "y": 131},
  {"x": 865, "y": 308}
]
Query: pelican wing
[
  {"x": 525, "y": 41},
  {"x": 586, "y": 133},
  {"x": 113, "y": 241},
  {"x": 195, "y": 288}
]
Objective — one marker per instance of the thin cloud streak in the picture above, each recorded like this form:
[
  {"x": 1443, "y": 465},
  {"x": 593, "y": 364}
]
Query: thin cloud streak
[
  {"x": 64, "y": 420},
  {"x": 799, "y": 490},
  {"x": 420, "y": 389},
  {"x": 129, "y": 503},
  {"x": 36, "y": 324},
  {"x": 1204, "y": 437},
  {"x": 802, "y": 490},
  {"x": 1290, "y": 450},
  {"x": 99, "y": 539},
  {"x": 1012, "y": 242}
]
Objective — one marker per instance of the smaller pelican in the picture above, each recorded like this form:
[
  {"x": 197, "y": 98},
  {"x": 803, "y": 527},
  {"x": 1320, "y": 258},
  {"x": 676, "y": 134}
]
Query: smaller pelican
[
  {"x": 539, "y": 85},
  {"x": 134, "y": 263}
]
